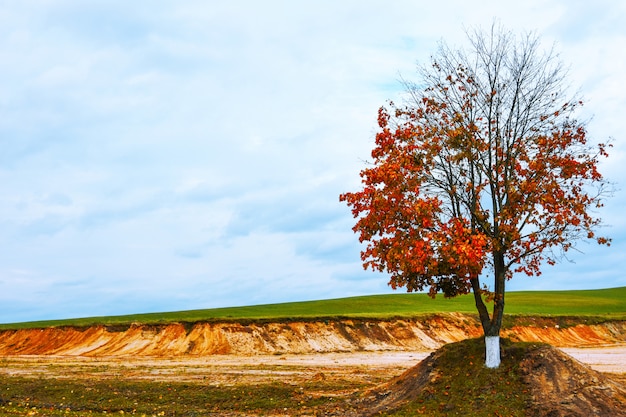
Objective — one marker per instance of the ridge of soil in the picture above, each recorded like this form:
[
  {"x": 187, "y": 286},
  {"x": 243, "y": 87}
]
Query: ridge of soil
[
  {"x": 296, "y": 337},
  {"x": 558, "y": 385}
]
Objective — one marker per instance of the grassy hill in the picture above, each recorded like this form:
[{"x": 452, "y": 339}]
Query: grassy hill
[{"x": 605, "y": 303}]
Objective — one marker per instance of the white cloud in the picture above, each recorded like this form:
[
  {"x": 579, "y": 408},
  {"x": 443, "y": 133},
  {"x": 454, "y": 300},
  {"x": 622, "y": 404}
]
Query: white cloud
[{"x": 161, "y": 156}]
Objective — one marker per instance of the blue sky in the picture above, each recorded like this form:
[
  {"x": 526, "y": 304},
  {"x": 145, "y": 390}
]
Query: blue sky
[{"x": 161, "y": 155}]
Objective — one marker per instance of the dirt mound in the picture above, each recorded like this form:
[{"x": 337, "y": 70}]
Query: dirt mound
[
  {"x": 561, "y": 386},
  {"x": 400, "y": 390},
  {"x": 548, "y": 382},
  {"x": 315, "y": 336}
]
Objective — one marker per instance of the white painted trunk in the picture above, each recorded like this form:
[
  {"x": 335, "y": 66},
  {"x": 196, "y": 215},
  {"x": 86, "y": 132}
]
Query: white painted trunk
[{"x": 492, "y": 349}]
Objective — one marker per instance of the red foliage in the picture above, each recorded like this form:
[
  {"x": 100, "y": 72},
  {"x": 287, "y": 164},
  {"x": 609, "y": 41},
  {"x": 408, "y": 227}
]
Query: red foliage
[{"x": 448, "y": 191}]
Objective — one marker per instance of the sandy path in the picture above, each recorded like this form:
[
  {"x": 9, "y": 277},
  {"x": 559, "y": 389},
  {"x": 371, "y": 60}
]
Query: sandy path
[
  {"x": 370, "y": 367},
  {"x": 606, "y": 359},
  {"x": 361, "y": 367}
]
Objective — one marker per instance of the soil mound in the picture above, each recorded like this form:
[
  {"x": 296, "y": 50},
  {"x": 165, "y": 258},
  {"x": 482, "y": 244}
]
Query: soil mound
[
  {"x": 561, "y": 386},
  {"x": 538, "y": 379}
]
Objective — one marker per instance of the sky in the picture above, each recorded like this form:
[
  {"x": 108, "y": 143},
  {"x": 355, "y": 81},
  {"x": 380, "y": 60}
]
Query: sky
[{"x": 176, "y": 155}]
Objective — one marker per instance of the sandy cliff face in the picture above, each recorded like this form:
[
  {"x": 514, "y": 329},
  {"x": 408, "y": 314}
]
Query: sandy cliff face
[{"x": 289, "y": 337}]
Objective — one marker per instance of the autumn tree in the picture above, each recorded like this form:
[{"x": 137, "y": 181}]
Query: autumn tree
[{"x": 483, "y": 172}]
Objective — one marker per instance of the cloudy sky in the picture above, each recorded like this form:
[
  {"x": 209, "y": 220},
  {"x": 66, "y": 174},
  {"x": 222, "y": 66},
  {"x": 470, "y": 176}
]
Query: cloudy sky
[{"x": 173, "y": 155}]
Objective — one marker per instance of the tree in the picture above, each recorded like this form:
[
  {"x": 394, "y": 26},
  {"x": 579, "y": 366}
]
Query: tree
[{"x": 484, "y": 171}]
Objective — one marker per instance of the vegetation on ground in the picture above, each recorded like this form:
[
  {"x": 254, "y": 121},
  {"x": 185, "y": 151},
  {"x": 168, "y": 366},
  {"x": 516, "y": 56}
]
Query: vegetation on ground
[
  {"x": 457, "y": 384},
  {"x": 604, "y": 304},
  {"x": 60, "y": 397},
  {"x": 461, "y": 385}
]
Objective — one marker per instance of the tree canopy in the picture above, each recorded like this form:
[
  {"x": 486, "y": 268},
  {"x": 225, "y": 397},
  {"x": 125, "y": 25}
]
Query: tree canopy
[{"x": 483, "y": 171}]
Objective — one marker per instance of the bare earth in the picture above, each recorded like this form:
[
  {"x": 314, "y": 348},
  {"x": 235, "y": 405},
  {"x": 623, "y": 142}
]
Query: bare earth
[
  {"x": 367, "y": 367},
  {"x": 345, "y": 353}
]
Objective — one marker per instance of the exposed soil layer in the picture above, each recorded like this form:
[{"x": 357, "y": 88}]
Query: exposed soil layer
[
  {"x": 355, "y": 362},
  {"x": 297, "y": 337}
]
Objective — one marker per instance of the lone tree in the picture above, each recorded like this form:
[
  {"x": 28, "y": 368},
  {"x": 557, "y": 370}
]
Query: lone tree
[{"x": 483, "y": 172}]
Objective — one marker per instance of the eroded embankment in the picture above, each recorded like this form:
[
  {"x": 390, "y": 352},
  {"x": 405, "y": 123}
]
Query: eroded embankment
[{"x": 291, "y": 337}]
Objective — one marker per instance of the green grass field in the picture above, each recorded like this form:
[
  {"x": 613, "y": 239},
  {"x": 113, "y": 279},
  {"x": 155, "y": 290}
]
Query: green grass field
[{"x": 605, "y": 303}]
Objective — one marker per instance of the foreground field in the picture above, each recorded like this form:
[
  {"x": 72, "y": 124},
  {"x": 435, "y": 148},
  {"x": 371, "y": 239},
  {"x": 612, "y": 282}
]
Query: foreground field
[
  {"x": 225, "y": 385},
  {"x": 219, "y": 385}
]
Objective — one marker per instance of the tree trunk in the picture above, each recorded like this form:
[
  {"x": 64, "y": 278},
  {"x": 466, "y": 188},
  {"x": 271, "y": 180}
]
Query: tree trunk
[
  {"x": 483, "y": 314},
  {"x": 492, "y": 351},
  {"x": 492, "y": 325}
]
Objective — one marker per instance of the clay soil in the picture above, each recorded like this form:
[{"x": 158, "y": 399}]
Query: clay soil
[
  {"x": 228, "y": 353},
  {"x": 330, "y": 360}
]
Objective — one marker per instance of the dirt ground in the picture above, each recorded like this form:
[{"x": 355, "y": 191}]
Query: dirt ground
[{"x": 361, "y": 367}]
